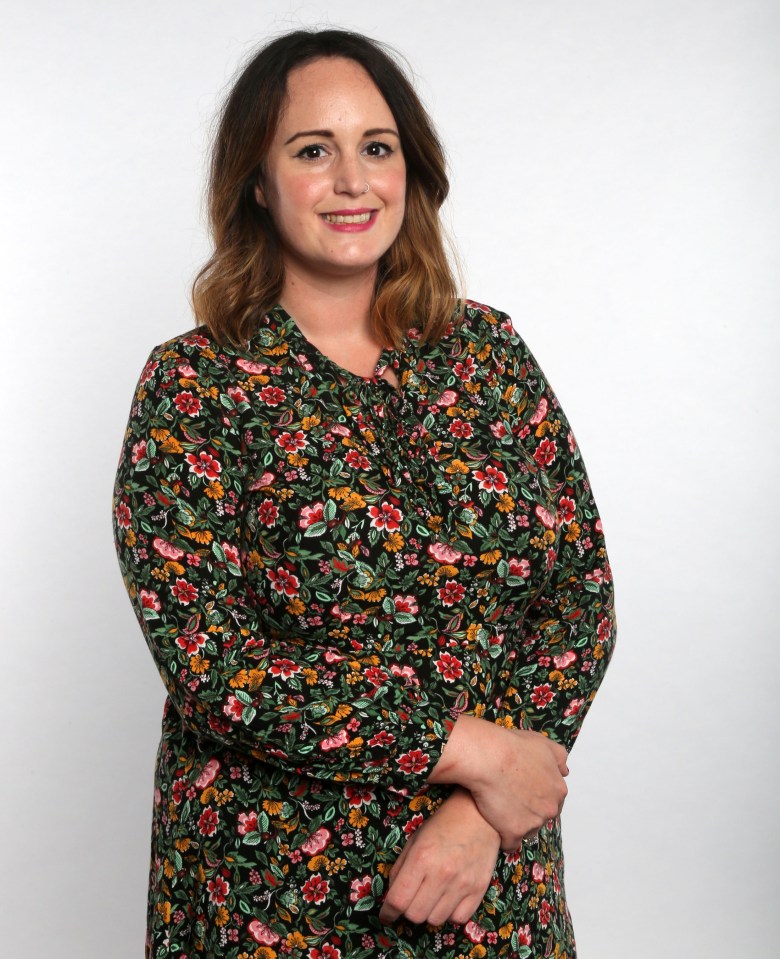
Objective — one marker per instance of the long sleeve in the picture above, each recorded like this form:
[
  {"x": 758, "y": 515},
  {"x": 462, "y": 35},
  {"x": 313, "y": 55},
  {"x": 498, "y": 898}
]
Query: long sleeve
[
  {"x": 177, "y": 514},
  {"x": 569, "y": 629}
]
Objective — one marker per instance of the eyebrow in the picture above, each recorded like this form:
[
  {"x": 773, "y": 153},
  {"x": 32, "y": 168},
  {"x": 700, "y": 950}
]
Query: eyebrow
[{"x": 329, "y": 135}]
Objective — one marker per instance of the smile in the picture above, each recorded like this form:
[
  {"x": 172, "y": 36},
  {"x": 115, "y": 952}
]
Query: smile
[{"x": 348, "y": 218}]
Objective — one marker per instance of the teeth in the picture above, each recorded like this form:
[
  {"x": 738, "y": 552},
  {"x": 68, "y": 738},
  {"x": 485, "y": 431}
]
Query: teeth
[{"x": 355, "y": 218}]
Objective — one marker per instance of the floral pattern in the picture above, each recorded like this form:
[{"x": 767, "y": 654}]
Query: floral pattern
[{"x": 328, "y": 571}]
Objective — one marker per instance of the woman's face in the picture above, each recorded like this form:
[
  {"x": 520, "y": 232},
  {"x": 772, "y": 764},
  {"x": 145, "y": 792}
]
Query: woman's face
[{"x": 335, "y": 136}]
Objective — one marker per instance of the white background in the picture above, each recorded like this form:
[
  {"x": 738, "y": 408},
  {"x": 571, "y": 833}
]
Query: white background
[{"x": 616, "y": 189}]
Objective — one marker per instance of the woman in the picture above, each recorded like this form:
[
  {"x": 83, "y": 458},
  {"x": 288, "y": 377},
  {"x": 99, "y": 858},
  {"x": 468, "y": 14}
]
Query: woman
[{"x": 362, "y": 547}]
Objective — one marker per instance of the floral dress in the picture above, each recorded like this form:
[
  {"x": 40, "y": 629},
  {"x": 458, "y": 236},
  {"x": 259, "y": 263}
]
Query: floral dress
[{"x": 328, "y": 571}]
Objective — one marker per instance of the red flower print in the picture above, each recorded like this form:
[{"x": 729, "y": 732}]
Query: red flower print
[
  {"x": 283, "y": 581},
  {"x": 268, "y": 512},
  {"x": 360, "y": 888},
  {"x": 450, "y": 667},
  {"x": 327, "y": 952},
  {"x": 414, "y": 823},
  {"x": 359, "y": 795},
  {"x": 167, "y": 550},
  {"x": 310, "y": 515},
  {"x": 375, "y": 675},
  {"x": 247, "y": 822},
  {"x": 538, "y": 873},
  {"x": 474, "y": 931},
  {"x": 208, "y": 774},
  {"x": 149, "y": 600},
  {"x": 443, "y": 553},
  {"x": 604, "y": 629},
  {"x": 292, "y": 442},
  {"x": 542, "y": 695},
  {"x": 405, "y": 604},
  {"x": 271, "y": 395},
  {"x": 524, "y": 935},
  {"x": 415, "y": 761},
  {"x": 262, "y": 934},
  {"x": 187, "y": 403},
  {"x": 183, "y": 591},
  {"x": 218, "y": 890},
  {"x": 540, "y": 412},
  {"x": 382, "y": 738},
  {"x": 451, "y": 592},
  {"x": 466, "y": 369},
  {"x": 385, "y": 516},
  {"x": 461, "y": 428},
  {"x": 498, "y": 430},
  {"x": 123, "y": 515},
  {"x": 316, "y": 842},
  {"x": 491, "y": 479},
  {"x": 204, "y": 464},
  {"x": 208, "y": 822},
  {"x": 191, "y": 642},
  {"x": 566, "y": 508},
  {"x": 574, "y": 707},
  {"x": 284, "y": 668},
  {"x": 519, "y": 567},
  {"x": 545, "y": 452},
  {"x": 546, "y": 912},
  {"x": 357, "y": 460},
  {"x": 148, "y": 372},
  {"x": 315, "y": 889}
]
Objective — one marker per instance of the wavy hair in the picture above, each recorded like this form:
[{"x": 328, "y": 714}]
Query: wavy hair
[{"x": 244, "y": 276}]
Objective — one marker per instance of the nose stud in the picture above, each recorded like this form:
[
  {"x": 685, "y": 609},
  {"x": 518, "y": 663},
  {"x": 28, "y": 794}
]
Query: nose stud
[{"x": 366, "y": 189}]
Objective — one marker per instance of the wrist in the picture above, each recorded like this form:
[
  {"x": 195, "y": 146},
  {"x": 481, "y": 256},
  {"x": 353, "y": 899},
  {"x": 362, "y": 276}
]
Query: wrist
[{"x": 473, "y": 755}]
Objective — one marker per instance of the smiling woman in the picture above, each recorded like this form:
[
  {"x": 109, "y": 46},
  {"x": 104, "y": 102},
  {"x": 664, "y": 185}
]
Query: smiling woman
[{"x": 363, "y": 551}]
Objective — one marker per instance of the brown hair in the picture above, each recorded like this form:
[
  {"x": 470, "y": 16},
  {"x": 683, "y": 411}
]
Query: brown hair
[{"x": 244, "y": 276}]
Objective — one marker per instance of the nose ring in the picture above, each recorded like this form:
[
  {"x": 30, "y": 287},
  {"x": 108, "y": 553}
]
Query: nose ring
[{"x": 367, "y": 187}]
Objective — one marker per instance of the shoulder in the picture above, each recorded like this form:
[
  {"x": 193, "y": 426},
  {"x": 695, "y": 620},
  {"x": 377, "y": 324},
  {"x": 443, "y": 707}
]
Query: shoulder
[{"x": 489, "y": 336}]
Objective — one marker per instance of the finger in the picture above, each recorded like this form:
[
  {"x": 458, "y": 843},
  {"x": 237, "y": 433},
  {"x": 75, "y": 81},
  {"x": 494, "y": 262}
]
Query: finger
[
  {"x": 427, "y": 903},
  {"x": 400, "y": 895},
  {"x": 466, "y": 909},
  {"x": 399, "y": 861}
]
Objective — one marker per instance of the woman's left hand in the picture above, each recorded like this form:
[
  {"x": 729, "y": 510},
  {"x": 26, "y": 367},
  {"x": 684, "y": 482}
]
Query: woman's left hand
[{"x": 445, "y": 868}]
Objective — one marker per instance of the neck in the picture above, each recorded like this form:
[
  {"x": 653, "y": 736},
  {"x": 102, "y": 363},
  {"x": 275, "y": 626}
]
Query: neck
[{"x": 329, "y": 307}]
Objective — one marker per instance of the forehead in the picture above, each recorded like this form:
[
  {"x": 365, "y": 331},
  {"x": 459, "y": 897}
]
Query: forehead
[{"x": 332, "y": 92}]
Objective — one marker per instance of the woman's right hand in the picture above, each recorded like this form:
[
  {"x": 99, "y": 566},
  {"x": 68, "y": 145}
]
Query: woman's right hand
[{"x": 515, "y": 776}]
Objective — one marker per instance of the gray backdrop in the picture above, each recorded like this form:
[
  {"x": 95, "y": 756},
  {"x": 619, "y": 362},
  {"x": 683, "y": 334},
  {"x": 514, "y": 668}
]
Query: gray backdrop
[{"x": 615, "y": 188}]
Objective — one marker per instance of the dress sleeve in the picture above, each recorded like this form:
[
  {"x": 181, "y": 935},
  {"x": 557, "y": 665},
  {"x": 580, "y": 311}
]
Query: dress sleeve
[
  {"x": 177, "y": 516},
  {"x": 569, "y": 629}
]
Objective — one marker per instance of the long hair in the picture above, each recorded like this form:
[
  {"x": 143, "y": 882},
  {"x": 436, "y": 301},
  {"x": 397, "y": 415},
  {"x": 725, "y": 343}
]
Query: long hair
[{"x": 244, "y": 276}]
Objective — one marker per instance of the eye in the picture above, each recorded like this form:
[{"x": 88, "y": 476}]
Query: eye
[
  {"x": 378, "y": 149},
  {"x": 312, "y": 151}
]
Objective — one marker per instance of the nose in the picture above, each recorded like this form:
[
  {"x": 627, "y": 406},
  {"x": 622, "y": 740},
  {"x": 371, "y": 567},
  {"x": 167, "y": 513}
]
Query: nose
[{"x": 349, "y": 178}]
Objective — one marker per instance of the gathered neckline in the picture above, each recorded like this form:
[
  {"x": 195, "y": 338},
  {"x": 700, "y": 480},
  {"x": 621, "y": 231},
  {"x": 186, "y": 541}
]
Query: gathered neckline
[{"x": 389, "y": 358}]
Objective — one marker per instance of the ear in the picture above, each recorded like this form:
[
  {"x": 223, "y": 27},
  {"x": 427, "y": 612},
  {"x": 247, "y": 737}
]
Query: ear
[{"x": 260, "y": 194}]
